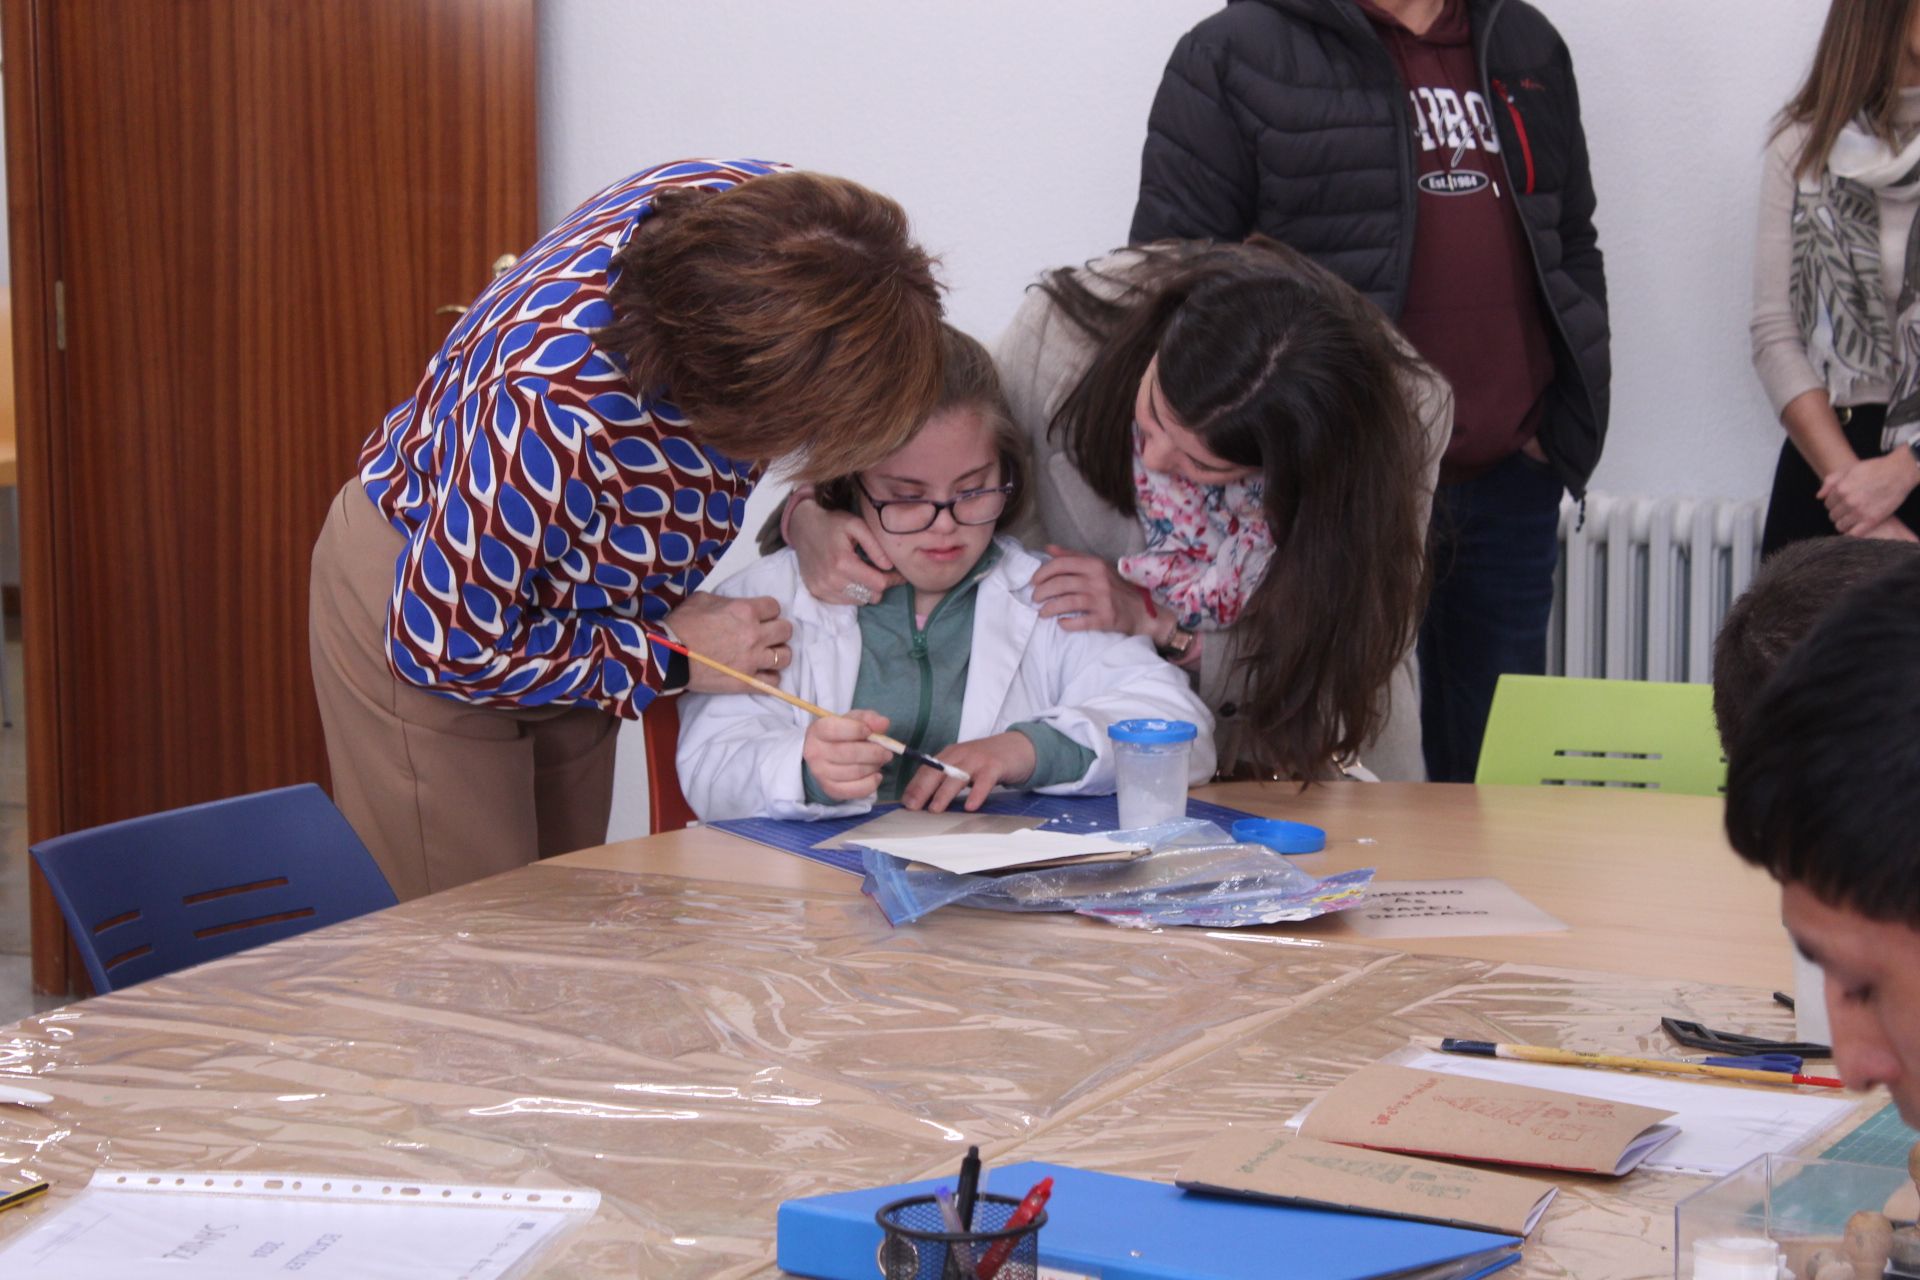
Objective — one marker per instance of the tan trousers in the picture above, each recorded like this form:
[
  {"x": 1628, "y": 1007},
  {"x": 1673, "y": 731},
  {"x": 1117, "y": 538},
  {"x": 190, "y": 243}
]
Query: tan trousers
[{"x": 441, "y": 791}]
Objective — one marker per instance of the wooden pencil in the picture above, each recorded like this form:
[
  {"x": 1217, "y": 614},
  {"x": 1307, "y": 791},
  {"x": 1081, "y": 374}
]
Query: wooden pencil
[{"x": 894, "y": 745}]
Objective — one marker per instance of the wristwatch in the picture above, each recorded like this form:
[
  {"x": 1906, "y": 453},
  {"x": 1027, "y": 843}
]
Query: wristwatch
[
  {"x": 1179, "y": 640},
  {"x": 677, "y": 674}
]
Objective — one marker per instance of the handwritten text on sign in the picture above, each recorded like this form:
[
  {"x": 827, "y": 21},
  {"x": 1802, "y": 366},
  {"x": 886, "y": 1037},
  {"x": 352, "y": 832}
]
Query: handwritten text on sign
[{"x": 1446, "y": 909}]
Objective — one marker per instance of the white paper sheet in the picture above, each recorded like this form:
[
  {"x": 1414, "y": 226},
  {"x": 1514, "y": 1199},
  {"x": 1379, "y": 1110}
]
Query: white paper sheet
[
  {"x": 971, "y": 854},
  {"x": 900, "y": 823},
  {"x": 224, "y": 1226},
  {"x": 1468, "y": 908},
  {"x": 1721, "y": 1126}
]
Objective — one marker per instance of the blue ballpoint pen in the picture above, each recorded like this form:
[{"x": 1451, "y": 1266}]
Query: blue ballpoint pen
[{"x": 959, "y": 1256}]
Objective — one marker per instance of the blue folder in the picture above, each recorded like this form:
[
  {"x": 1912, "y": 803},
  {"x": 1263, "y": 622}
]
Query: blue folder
[{"x": 1112, "y": 1228}]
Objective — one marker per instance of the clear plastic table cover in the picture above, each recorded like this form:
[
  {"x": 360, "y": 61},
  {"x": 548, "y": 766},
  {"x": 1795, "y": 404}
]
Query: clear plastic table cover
[{"x": 700, "y": 1051}]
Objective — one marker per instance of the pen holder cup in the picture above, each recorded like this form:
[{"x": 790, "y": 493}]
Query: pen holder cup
[{"x": 918, "y": 1246}]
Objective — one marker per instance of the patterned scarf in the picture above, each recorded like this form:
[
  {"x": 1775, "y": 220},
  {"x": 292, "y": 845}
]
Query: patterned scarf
[
  {"x": 1836, "y": 289},
  {"x": 1207, "y": 545}
]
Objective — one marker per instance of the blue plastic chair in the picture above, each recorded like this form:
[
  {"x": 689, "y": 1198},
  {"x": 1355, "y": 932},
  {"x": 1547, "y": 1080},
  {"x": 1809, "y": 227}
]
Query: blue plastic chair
[{"x": 151, "y": 895}]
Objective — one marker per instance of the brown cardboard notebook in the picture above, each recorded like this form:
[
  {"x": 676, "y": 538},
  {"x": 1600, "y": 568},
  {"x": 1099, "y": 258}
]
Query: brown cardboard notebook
[
  {"x": 1322, "y": 1175},
  {"x": 1459, "y": 1117}
]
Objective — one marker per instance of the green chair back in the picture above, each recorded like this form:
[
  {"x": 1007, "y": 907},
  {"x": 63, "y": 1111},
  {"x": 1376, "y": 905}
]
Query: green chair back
[{"x": 1558, "y": 731}]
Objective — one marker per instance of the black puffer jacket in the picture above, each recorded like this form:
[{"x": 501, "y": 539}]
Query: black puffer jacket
[{"x": 1289, "y": 117}]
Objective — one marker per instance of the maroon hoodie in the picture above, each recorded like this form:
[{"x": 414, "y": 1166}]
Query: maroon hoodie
[{"x": 1473, "y": 305}]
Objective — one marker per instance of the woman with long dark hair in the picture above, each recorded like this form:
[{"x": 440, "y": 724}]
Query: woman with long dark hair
[
  {"x": 1235, "y": 457},
  {"x": 1836, "y": 297}
]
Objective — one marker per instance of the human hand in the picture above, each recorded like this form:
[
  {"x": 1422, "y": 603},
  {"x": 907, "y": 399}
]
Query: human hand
[
  {"x": 1893, "y": 528},
  {"x": 1005, "y": 757},
  {"x": 1862, "y": 494},
  {"x": 1088, "y": 594},
  {"x": 748, "y": 634},
  {"x": 843, "y": 762},
  {"x": 829, "y": 544}
]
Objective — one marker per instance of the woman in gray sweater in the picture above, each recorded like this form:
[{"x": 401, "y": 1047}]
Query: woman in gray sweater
[
  {"x": 1234, "y": 456},
  {"x": 1836, "y": 293}
]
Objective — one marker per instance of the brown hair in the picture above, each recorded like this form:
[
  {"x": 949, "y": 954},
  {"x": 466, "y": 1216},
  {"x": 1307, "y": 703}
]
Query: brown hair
[
  {"x": 1855, "y": 75},
  {"x": 790, "y": 313},
  {"x": 1278, "y": 365},
  {"x": 969, "y": 381},
  {"x": 1793, "y": 590}
]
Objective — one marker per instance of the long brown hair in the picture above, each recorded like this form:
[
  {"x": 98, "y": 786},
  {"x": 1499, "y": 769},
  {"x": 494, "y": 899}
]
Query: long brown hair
[
  {"x": 1280, "y": 366},
  {"x": 789, "y": 314},
  {"x": 1855, "y": 75},
  {"x": 969, "y": 380}
]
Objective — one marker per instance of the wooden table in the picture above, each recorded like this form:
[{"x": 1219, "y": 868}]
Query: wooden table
[
  {"x": 710, "y": 1028},
  {"x": 1646, "y": 882}
]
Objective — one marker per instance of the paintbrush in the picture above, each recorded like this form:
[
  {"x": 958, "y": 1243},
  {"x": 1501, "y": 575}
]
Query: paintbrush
[
  {"x": 894, "y": 745},
  {"x": 1569, "y": 1058}
]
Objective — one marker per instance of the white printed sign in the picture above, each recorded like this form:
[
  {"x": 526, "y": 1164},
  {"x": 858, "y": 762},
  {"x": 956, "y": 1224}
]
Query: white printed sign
[{"x": 1475, "y": 907}]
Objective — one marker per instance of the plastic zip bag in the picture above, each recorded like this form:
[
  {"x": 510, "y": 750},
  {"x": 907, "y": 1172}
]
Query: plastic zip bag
[{"x": 1196, "y": 873}]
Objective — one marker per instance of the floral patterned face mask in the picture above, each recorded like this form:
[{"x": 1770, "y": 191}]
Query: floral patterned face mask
[{"x": 1207, "y": 544}]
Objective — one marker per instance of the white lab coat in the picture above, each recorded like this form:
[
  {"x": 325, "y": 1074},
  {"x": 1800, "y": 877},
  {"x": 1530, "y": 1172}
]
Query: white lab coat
[{"x": 740, "y": 753}]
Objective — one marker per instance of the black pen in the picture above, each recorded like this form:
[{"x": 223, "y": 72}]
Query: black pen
[{"x": 969, "y": 1187}]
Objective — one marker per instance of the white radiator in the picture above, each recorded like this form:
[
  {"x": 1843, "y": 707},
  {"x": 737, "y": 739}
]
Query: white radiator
[{"x": 1644, "y": 583}]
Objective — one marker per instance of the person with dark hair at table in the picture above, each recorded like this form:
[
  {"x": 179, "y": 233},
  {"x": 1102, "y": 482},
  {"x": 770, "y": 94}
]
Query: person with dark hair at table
[
  {"x": 1789, "y": 594},
  {"x": 1823, "y": 791},
  {"x": 1430, "y": 153}
]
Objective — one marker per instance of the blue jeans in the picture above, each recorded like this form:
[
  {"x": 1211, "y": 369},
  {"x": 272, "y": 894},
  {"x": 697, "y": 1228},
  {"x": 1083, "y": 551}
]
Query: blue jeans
[{"x": 1494, "y": 542}]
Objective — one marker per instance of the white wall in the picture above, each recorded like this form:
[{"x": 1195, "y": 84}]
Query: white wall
[
  {"x": 1677, "y": 96},
  {"x": 1012, "y": 131}
]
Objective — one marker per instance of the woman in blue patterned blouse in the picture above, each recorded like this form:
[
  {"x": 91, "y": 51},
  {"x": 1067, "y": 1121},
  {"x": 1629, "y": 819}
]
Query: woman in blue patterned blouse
[{"x": 576, "y": 458}]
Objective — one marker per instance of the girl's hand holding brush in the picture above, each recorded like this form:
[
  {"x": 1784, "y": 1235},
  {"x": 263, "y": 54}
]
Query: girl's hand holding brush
[{"x": 841, "y": 756}]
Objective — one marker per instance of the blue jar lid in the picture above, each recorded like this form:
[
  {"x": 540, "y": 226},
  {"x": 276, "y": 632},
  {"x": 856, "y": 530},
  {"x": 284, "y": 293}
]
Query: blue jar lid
[
  {"x": 1280, "y": 836},
  {"x": 1156, "y": 732}
]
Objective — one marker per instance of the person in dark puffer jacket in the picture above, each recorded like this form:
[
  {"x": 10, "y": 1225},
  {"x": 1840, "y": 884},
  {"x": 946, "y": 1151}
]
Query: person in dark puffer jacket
[{"x": 1430, "y": 153}]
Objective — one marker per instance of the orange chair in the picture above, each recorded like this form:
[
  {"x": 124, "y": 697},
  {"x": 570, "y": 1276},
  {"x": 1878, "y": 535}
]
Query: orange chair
[{"x": 667, "y": 807}]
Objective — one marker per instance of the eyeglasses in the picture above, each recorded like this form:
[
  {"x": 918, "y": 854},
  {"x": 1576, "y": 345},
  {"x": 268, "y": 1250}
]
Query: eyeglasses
[{"x": 912, "y": 515}]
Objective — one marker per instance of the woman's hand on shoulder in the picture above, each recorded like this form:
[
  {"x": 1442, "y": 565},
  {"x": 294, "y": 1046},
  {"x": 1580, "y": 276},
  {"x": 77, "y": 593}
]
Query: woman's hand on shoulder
[
  {"x": 747, "y": 633},
  {"x": 1087, "y": 593},
  {"x": 829, "y": 545},
  {"x": 1863, "y": 494},
  {"x": 844, "y": 764},
  {"x": 1005, "y": 757}
]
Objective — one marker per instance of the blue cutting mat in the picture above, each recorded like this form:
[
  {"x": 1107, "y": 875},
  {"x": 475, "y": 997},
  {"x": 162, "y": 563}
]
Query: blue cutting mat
[
  {"x": 1062, "y": 813},
  {"x": 1883, "y": 1140}
]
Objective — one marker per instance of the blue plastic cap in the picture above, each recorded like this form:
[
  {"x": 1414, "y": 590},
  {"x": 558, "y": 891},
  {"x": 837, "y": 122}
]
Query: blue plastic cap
[
  {"x": 1280, "y": 836},
  {"x": 1155, "y": 732}
]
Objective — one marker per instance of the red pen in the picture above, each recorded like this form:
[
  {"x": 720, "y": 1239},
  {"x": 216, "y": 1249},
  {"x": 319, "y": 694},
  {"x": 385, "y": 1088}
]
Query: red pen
[{"x": 1029, "y": 1210}]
